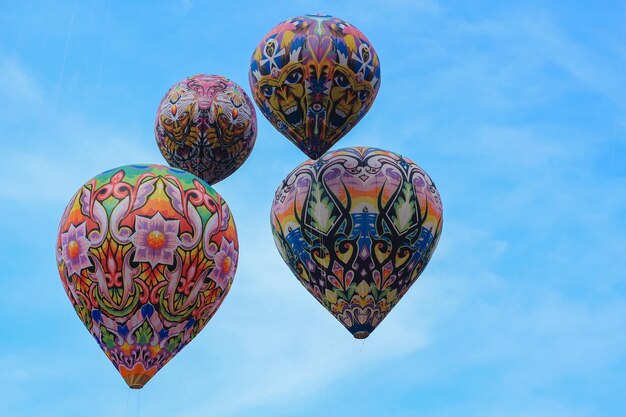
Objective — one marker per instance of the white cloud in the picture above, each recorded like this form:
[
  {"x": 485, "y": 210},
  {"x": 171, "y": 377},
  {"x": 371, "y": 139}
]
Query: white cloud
[
  {"x": 71, "y": 150},
  {"x": 17, "y": 87}
]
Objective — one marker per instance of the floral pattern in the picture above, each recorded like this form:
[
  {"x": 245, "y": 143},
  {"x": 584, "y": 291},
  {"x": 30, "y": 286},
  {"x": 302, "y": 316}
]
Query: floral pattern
[
  {"x": 146, "y": 255},
  {"x": 357, "y": 227},
  {"x": 156, "y": 239},
  {"x": 225, "y": 261},
  {"x": 75, "y": 249}
]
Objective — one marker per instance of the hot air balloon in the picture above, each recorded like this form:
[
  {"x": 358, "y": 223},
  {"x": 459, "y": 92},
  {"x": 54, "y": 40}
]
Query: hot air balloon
[
  {"x": 314, "y": 77},
  {"x": 146, "y": 254},
  {"x": 206, "y": 125},
  {"x": 357, "y": 228}
]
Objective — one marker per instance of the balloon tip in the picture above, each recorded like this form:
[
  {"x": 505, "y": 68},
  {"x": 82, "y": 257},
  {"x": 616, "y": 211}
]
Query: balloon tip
[{"x": 361, "y": 335}]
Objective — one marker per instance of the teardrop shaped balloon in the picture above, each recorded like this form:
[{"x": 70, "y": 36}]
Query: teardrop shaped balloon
[
  {"x": 206, "y": 125},
  {"x": 314, "y": 77},
  {"x": 146, "y": 254},
  {"x": 357, "y": 228}
]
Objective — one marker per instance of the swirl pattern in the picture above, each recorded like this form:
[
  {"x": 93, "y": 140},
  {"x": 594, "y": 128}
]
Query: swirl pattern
[
  {"x": 357, "y": 228},
  {"x": 146, "y": 255}
]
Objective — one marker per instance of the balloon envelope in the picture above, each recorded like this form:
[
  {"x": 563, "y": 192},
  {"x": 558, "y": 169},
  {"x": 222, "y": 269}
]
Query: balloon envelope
[
  {"x": 206, "y": 125},
  {"x": 357, "y": 228},
  {"x": 146, "y": 254},
  {"x": 314, "y": 77}
]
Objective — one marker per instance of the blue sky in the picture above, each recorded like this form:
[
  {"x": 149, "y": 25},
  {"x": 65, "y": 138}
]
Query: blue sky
[{"x": 516, "y": 109}]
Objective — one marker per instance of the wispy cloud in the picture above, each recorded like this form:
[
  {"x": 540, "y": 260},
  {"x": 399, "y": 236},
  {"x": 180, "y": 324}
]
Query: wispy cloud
[
  {"x": 69, "y": 150},
  {"x": 17, "y": 87},
  {"x": 512, "y": 111}
]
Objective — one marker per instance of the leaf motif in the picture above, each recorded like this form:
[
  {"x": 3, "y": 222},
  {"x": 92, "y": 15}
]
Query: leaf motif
[
  {"x": 351, "y": 290},
  {"x": 320, "y": 209},
  {"x": 144, "y": 333},
  {"x": 374, "y": 291},
  {"x": 107, "y": 337},
  {"x": 174, "y": 343},
  {"x": 404, "y": 210}
]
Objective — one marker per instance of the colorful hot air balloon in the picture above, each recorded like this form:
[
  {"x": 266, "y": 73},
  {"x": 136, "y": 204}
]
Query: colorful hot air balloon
[
  {"x": 206, "y": 125},
  {"x": 357, "y": 228},
  {"x": 146, "y": 254},
  {"x": 314, "y": 77}
]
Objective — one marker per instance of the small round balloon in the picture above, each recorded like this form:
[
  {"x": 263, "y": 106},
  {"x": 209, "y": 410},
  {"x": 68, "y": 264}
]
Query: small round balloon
[
  {"x": 314, "y": 77},
  {"x": 357, "y": 228},
  {"x": 146, "y": 254},
  {"x": 206, "y": 125}
]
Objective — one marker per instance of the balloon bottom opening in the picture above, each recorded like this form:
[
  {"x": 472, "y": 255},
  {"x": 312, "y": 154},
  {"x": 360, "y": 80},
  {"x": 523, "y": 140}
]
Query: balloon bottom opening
[
  {"x": 136, "y": 381},
  {"x": 361, "y": 335}
]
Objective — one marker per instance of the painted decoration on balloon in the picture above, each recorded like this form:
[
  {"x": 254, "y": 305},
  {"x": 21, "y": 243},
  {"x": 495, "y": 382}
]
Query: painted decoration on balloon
[
  {"x": 206, "y": 125},
  {"x": 146, "y": 254},
  {"x": 357, "y": 228},
  {"x": 314, "y": 77}
]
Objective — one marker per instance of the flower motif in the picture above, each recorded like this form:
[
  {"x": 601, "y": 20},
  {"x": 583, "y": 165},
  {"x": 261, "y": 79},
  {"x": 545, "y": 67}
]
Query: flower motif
[
  {"x": 74, "y": 248},
  {"x": 156, "y": 239},
  {"x": 225, "y": 263}
]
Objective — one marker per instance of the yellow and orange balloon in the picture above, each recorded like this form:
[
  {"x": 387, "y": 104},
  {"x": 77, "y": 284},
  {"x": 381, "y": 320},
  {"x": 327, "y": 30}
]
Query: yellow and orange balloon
[{"x": 314, "y": 77}]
